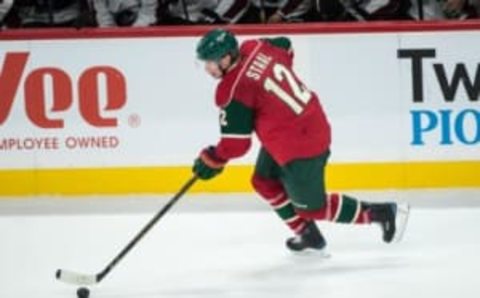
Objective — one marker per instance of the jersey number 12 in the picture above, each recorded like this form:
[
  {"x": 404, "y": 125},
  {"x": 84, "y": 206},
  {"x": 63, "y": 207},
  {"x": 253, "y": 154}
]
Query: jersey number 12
[{"x": 296, "y": 98}]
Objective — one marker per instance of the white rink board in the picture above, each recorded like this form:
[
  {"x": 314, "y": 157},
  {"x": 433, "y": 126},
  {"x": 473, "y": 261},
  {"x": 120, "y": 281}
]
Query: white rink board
[{"x": 365, "y": 88}]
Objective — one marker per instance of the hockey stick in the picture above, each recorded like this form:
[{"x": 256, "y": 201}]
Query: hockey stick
[{"x": 75, "y": 278}]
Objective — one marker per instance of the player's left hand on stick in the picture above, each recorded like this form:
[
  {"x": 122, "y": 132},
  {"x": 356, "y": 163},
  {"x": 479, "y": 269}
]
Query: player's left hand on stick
[{"x": 208, "y": 164}]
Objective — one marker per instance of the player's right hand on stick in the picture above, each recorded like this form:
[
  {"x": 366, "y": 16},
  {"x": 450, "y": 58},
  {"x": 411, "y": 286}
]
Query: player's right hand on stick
[{"x": 208, "y": 165}]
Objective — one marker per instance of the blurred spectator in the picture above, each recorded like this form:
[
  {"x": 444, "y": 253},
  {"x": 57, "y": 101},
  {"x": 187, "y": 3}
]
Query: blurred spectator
[
  {"x": 47, "y": 13},
  {"x": 5, "y": 6},
  {"x": 229, "y": 11},
  {"x": 476, "y": 6},
  {"x": 443, "y": 9},
  {"x": 121, "y": 13},
  {"x": 369, "y": 10},
  {"x": 113, "y": 13},
  {"x": 278, "y": 11},
  {"x": 203, "y": 11},
  {"x": 329, "y": 10}
]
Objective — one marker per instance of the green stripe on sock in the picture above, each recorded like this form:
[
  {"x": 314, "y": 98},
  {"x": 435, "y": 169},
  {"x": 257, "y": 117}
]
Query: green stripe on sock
[
  {"x": 348, "y": 209},
  {"x": 286, "y": 212}
]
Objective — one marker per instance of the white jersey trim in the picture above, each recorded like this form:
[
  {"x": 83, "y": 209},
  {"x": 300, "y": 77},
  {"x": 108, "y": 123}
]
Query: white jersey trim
[{"x": 235, "y": 136}]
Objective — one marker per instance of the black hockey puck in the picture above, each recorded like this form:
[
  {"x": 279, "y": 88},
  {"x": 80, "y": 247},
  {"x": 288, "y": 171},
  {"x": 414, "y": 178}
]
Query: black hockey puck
[{"x": 83, "y": 293}]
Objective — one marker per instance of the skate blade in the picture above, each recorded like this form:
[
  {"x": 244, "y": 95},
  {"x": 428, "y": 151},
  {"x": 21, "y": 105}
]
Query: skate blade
[
  {"x": 318, "y": 253},
  {"x": 401, "y": 221}
]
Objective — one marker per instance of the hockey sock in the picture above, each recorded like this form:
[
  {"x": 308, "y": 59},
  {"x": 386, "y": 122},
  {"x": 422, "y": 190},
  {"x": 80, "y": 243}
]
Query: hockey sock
[
  {"x": 285, "y": 210},
  {"x": 339, "y": 208},
  {"x": 273, "y": 192}
]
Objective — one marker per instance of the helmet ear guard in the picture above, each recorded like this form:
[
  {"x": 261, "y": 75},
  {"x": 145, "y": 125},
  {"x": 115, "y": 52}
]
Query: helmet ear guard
[
  {"x": 233, "y": 59},
  {"x": 234, "y": 55}
]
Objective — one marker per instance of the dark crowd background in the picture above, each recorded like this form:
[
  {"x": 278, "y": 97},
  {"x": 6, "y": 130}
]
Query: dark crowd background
[{"x": 138, "y": 13}]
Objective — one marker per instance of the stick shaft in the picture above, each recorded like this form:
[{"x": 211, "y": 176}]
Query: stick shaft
[{"x": 146, "y": 228}]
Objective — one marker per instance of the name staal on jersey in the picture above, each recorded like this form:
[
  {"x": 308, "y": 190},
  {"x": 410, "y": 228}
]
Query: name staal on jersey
[{"x": 262, "y": 94}]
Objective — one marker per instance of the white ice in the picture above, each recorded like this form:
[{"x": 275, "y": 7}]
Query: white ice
[{"x": 226, "y": 246}]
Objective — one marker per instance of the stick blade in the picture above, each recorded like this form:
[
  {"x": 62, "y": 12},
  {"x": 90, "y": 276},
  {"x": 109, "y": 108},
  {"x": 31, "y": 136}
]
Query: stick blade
[{"x": 75, "y": 278}]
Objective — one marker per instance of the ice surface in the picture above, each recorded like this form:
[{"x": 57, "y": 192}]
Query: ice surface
[{"x": 234, "y": 251}]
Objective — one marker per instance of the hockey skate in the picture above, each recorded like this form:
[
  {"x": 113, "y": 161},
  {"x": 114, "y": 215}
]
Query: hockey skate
[
  {"x": 310, "y": 239},
  {"x": 392, "y": 218}
]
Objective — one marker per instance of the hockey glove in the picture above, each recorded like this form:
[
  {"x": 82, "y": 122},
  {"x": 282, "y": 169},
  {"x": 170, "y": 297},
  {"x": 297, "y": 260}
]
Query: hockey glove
[{"x": 208, "y": 164}]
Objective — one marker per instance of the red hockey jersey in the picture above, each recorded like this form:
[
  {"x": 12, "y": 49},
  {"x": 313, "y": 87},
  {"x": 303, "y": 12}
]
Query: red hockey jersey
[{"x": 262, "y": 94}]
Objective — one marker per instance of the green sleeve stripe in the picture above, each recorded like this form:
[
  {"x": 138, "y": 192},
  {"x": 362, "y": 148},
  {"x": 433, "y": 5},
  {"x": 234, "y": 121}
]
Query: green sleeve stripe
[
  {"x": 236, "y": 119},
  {"x": 280, "y": 42}
]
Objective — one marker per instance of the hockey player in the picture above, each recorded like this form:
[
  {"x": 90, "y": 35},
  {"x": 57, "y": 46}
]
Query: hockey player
[{"x": 259, "y": 92}]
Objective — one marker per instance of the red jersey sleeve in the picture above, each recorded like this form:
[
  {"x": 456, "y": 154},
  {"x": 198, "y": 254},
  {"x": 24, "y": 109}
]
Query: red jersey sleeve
[{"x": 235, "y": 98}]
